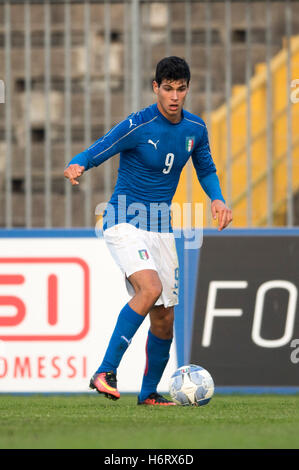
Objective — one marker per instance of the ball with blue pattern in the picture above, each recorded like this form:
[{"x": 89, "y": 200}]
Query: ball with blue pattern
[{"x": 191, "y": 385}]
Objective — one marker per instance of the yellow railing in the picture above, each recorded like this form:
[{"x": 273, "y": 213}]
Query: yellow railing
[{"x": 281, "y": 92}]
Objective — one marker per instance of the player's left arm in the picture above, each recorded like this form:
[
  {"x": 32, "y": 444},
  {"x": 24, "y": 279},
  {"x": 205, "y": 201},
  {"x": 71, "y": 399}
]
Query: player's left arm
[
  {"x": 208, "y": 179},
  {"x": 223, "y": 212}
]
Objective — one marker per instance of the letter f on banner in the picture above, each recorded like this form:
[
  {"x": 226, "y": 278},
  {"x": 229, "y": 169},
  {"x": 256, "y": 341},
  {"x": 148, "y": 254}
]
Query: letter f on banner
[{"x": 212, "y": 312}]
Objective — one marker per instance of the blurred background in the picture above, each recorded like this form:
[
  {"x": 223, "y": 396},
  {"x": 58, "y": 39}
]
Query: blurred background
[{"x": 72, "y": 69}]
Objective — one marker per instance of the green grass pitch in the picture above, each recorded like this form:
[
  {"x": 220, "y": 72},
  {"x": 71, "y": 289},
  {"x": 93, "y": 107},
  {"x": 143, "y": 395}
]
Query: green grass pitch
[{"x": 91, "y": 421}]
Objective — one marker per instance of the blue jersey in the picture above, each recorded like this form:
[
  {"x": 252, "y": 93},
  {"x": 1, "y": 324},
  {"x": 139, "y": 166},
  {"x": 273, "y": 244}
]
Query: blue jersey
[{"x": 153, "y": 152}]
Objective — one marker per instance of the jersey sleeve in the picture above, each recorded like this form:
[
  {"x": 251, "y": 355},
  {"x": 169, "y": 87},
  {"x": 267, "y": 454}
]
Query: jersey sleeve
[
  {"x": 206, "y": 169},
  {"x": 121, "y": 137},
  {"x": 201, "y": 156}
]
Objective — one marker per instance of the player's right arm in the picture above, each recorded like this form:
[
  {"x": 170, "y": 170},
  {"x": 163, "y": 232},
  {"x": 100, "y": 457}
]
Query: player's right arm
[
  {"x": 121, "y": 137},
  {"x": 72, "y": 172}
]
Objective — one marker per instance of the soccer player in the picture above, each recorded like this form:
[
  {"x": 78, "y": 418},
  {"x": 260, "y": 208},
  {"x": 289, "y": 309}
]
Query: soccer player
[{"x": 154, "y": 145}]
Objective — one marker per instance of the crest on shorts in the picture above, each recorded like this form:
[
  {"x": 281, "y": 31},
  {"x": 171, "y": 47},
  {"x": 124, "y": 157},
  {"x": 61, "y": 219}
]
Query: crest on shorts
[
  {"x": 190, "y": 143},
  {"x": 143, "y": 254}
]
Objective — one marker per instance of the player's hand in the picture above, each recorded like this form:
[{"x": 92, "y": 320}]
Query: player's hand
[
  {"x": 73, "y": 172},
  {"x": 224, "y": 213}
]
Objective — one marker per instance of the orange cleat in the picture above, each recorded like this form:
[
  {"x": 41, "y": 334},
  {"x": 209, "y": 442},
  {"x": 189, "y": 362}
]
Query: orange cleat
[
  {"x": 156, "y": 399},
  {"x": 106, "y": 383}
]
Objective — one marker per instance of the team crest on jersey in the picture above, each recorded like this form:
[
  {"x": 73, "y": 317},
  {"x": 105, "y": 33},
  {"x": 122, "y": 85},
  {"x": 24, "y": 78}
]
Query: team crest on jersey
[
  {"x": 143, "y": 254},
  {"x": 189, "y": 143}
]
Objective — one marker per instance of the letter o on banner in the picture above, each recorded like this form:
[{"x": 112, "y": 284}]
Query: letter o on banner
[{"x": 258, "y": 314}]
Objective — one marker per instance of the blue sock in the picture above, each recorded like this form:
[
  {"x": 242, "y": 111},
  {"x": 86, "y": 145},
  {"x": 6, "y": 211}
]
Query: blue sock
[
  {"x": 127, "y": 324},
  {"x": 157, "y": 355}
]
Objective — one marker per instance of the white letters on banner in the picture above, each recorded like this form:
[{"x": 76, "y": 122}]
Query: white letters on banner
[
  {"x": 258, "y": 314},
  {"x": 212, "y": 312},
  {"x": 295, "y": 354}
]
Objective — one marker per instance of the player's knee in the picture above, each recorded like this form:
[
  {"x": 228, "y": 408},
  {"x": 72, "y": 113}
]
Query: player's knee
[
  {"x": 156, "y": 291},
  {"x": 152, "y": 292}
]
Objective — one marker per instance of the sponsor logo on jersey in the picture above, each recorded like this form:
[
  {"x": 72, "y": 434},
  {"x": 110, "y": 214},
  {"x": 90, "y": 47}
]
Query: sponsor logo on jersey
[
  {"x": 143, "y": 254},
  {"x": 189, "y": 143},
  {"x": 153, "y": 143},
  {"x": 131, "y": 123}
]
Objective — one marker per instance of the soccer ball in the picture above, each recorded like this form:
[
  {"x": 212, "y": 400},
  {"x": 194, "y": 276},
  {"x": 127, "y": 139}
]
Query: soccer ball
[{"x": 191, "y": 385}]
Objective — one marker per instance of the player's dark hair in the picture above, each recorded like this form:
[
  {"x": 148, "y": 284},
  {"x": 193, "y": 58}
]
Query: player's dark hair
[{"x": 172, "y": 68}]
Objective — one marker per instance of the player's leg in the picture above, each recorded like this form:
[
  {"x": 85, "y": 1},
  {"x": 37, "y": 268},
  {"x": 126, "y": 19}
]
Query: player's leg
[
  {"x": 157, "y": 355},
  {"x": 147, "y": 286},
  {"x": 162, "y": 319},
  {"x": 131, "y": 253}
]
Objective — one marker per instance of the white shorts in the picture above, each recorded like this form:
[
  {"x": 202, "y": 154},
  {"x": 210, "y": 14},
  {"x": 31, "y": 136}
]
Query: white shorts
[{"x": 134, "y": 249}]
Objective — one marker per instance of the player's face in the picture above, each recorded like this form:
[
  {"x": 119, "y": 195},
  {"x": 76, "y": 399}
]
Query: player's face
[{"x": 171, "y": 97}]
